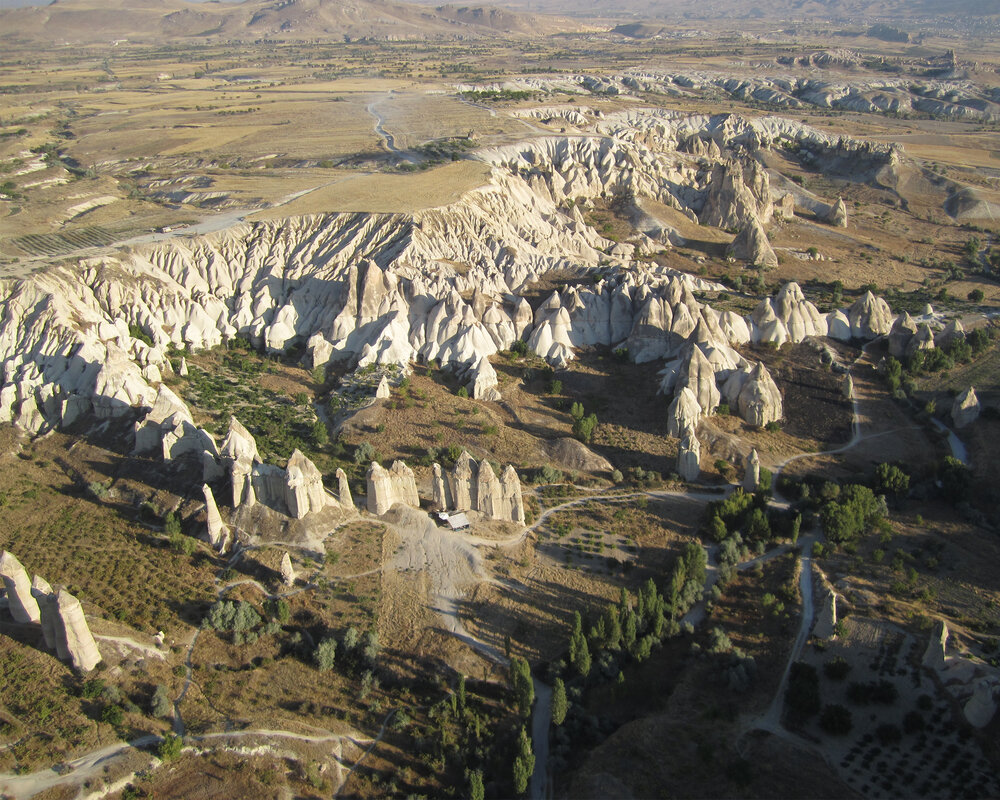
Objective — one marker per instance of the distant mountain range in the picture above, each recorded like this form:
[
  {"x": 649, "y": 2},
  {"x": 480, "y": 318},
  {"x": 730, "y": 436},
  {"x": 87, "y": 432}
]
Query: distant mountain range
[
  {"x": 107, "y": 20},
  {"x": 846, "y": 10}
]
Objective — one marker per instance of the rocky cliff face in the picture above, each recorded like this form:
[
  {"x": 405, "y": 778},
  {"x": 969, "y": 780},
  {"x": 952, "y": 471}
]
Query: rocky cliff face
[
  {"x": 384, "y": 288},
  {"x": 476, "y": 487},
  {"x": 386, "y": 487}
]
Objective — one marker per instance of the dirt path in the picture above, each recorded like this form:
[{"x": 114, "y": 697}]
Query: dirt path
[
  {"x": 132, "y": 644},
  {"x": 85, "y": 768}
]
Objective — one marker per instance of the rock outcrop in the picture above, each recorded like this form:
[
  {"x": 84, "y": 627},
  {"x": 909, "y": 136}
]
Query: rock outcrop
[
  {"x": 344, "y": 490},
  {"x": 572, "y": 454},
  {"x": 440, "y": 284},
  {"x": 683, "y": 413},
  {"x": 752, "y": 246},
  {"x": 869, "y": 316},
  {"x": 980, "y": 709},
  {"x": 837, "y": 215},
  {"x": 45, "y": 597},
  {"x": 386, "y": 487},
  {"x": 934, "y": 654},
  {"x": 383, "y": 392},
  {"x": 73, "y": 634},
  {"x": 22, "y": 604},
  {"x": 953, "y": 332},
  {"x": 826, "y": 622},
  {"x": 902, "y": 331},
  {"x": 689, "y": 457},
  {"x": 754, "y": 394},
  {"x": 476, "y": 487},
  {"x": 215, "y": 529},
  {"x": 304, "y": 490},
  {"x": 287, "y": 570},
  {"x": 751, "y": 477},
  {"x": 965, "y": 408}
]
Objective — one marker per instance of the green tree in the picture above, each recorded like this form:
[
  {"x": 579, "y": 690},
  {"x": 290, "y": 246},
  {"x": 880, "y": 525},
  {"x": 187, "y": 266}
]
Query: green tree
[
  {"x": 630, "y": 628},
  {"x": 320, "y": 435},
  {"x": 576, "y": 410},
  {"x": 160, "y": 706},
  {"x": 112, "y": 714},
  {"x": 579, "y": 653},
  {"x": 325, "y": 654},
  {"x": 890, "y": 479},
  {"x": 171, "y": 524},
  {"x": 560, "y": 704},
  {"x": 956, "y": 479},
  {"x": 170, "y": 748},
  {"x": 278, "y": 608},
  {"x": 583, "y": 429},
  {"x": 524, "y": 689},
  {"x": 612, "y": 628},
  {"x": 524, "y": 762},
  {"x": 364, "y": 453},
  {"x": 476, "y": 789}
]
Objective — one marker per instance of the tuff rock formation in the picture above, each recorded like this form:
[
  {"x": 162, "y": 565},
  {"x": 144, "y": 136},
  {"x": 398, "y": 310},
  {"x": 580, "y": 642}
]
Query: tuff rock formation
[
  {"x": 689, "y": 457},
  {"x": 683, "y": 413},
  {"x": 847, "y": 387},
  {"x": 216, "y": 531},
  {"x": 837, "y": 216},
  {"x": 476, "y": 487},
  {"x": 344, "y": 490},
  {"x": 367, "y": 289},
  {"x": 752, "y": 246},
  {"x": 922, "y": 340},
  {"x": 22, "y": 604},
  {"x": 382, "y": 392},
  {"x": 168, "y": 427},
  {"x": 953, "y": 332},
  {"x": 286, "y": 569},
  {"x": 45, "y": 597},
  {"x": 826, "y": 622},
  {"x": 980, "y": 709},
  {"x": 869, "y": 316},
  {"x": 754, "y": 394},
  {"x": 73, "y": 634},
  {"x": 386, "y": 487},
  {"x": 965, "y": 408},
  {"x": 751, "y": 478},
  {"x": 934, "y": 655},
  {"x": 304, "y": 490}
]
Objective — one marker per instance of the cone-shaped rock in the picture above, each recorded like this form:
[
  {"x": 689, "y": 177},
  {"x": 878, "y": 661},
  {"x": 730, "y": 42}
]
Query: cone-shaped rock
[
  {"x": 45, "y": 598},
  {"x": 74, "y": 634},
  {"x": 934, "y": 655},
  {"x": 965, "y": 409},
  {"x": 23, "y": 606},
  {"x": 751, "y": 478},
  {"x": 287, "y": 570},
  {"x": 689, "y": 457},
  {"x": 215, "y": 527},
  {"x": 344, "y": 490}
]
